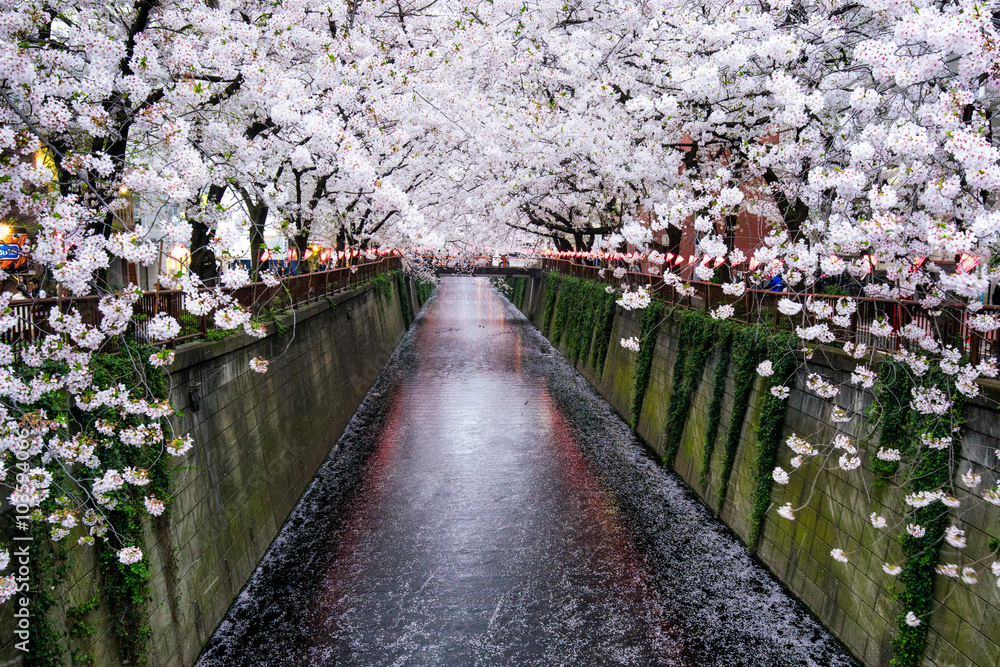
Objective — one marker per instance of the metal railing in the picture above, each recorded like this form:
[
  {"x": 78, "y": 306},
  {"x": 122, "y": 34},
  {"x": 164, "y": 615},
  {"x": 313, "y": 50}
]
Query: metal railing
[
  {"x": 948, "y": 323},
  {"x": 31, "y": 315}
]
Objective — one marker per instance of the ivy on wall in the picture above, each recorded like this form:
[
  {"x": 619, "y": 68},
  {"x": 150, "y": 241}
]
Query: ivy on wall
[
  {"x": 931, "y": 471},
  {"x": 591, "y": 303},
  {"x": 604, "y": 322},
  {"x": 404, "y": 301},
  {"x": 384, "y": 287},
  {"x": 725, "y": 339},
  {"x": 781, "y": 351},
  {"x": 517, "y": 295},
  {"x": 644, "y": 359},
  {"x": 424, "y": 291},
  {"x": 565, "y": 308},
  {"x": 740, "y": 349},
  {"x": 697, "y": 335},
  {"x": 749, "y": 346},
  {"x": 580, "y": 314},
  {"x": 891, "y": 411},
  {"x": 50, "y": 564},
  {"x": 124, "y": 588},
  {"x": 552, "y": 281},
  {"x": 582, "y": 327}
]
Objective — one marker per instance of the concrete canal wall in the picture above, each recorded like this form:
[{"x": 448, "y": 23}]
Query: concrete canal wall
[
  {"x": 854, "y": 600},
  {"x": 259, "y": 440}
]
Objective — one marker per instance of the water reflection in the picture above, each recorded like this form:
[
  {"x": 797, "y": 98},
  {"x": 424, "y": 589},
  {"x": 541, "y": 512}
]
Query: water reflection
[{"x": 479, "y": 534}]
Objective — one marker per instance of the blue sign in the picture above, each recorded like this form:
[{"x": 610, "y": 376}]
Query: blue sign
[{"x": 9, "y": 251}]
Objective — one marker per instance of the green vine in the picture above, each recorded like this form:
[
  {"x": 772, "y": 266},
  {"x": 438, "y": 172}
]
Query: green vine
[
  {"x": 517, "y": 295},
  {"x": 781, "y": 352},
  {"x": 566, "y": 308},
  {"x": 579, "y": 337},
  {"x": 725, "y": 339},
  {"x": 697, "y": 334},
  {"x": 384, "y": 287},
  {"x": 80, "y": 630},
  {"x": 749, "y": 345},
  {"x": 931, "y": 472},
  {"x": 49, "y": 566},
  {"x": 580, "y": 314},
  {"x": 552, "y": 283},
  {"x": 49, "y": 559},
  {"x": 644, "y": 360},
  {"x": 404, "y": 302},
  {"x": 424, "y": 291},
  {"x": 126, "y": 588},
  {"x": 891, "y": 409},
  {"x": 604, "y": 323}
]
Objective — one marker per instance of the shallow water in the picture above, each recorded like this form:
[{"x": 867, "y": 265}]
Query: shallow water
[{"x": 486, "y": 507}]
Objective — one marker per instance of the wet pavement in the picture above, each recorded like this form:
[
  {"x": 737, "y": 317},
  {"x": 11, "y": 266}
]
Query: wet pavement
[{"x": 486, "y": 507}]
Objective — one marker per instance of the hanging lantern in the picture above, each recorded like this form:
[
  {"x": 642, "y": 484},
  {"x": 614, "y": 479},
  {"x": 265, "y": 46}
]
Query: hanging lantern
[
  {"x": 266, "y": 255},
  {"x": 967, "y": 262}
]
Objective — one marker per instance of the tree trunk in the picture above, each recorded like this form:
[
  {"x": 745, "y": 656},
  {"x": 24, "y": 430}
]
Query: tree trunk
[
  {"x": 202, "y": 259},
  {"x": 258, "y": 216},
  {"x": 729, "y": 236},
  {"x": 301, "y": 247}
]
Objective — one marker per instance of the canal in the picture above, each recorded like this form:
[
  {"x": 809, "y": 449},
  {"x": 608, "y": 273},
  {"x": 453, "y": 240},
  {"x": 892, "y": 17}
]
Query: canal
[{"x": 486, "y": 507}]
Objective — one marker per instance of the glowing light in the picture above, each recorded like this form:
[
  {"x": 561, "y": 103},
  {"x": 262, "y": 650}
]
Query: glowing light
[{"x": 966, "y": 263}]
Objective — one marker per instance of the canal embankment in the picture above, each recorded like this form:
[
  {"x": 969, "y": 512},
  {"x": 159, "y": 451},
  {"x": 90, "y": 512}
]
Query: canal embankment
[
  {"x": 258, "y": 441},
  {"x": 690, "y": 402}
]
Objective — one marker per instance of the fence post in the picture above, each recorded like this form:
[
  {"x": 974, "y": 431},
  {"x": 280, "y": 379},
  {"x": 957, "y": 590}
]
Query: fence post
[{"x": 895, "y": 326}]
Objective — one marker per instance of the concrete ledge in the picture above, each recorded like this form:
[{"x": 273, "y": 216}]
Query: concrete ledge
[{"x": 196, "y": 352}]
